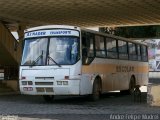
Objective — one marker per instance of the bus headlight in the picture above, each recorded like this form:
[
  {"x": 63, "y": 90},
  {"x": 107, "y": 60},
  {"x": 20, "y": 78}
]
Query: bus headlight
[
  {"x": 24, "y": 82},
  {"x": 30, "y": 83},
  {"x": 65, "y": 82},
  {"x": 59, "y": 82}
]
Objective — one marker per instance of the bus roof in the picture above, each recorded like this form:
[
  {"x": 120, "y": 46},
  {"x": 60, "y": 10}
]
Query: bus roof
[
  {"x": 51, "y": 26},
  {"x": 83, "y": 29}
]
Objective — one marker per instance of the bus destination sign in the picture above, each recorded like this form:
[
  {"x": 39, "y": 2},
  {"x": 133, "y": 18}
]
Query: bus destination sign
[{"x": 59, "y": 32}]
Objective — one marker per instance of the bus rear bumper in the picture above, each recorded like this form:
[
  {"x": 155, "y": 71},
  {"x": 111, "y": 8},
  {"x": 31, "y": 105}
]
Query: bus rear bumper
[{"x": 62, "y": 87}]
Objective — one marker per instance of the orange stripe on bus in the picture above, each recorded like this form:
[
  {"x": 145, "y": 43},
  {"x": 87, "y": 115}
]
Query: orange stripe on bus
[
  {"x": 99, "y": 68},
  {"x": 110, "y": 68},
  {"x": 142, "y": 69}
]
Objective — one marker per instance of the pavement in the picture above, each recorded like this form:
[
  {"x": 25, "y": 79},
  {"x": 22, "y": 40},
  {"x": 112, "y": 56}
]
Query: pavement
[{"x": 111, "y": 106}]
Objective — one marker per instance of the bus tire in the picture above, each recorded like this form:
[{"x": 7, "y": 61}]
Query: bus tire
[
  {"x": 96, "y": 90},
  {"x": 124, "y": 92},
  {"x": 132, "y": 85},
  {"x": 48, "y": 98}
]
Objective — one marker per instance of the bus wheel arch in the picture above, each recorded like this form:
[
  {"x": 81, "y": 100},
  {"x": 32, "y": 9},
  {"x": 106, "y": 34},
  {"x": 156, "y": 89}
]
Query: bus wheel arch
[
  {"x": 99, "y": 82},
  {"x": 132, "y": 84},
  {"x": 96, "y": 89}
]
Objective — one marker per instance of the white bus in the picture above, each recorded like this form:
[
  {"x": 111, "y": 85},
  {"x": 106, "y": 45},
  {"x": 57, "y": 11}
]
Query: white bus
[{"x": 68, "y": 60}]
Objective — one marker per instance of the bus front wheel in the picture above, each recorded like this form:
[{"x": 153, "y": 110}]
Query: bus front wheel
[
  {"x": 48, "y": 98},
  {"x": 96, "y": 90}
]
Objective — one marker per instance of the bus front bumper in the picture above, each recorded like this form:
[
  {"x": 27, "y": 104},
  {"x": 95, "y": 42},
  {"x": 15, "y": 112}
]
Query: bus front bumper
[{"x": 61, "y": 87}]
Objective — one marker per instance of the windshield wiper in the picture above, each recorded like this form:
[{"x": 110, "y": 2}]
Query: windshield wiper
[
  {"x": 38, "y": 58},
  {"x": 50, "y": 58}
]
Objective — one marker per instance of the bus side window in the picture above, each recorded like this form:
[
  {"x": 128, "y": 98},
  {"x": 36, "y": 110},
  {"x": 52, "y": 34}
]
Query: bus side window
[
  {"x": 111, "y": 45},
  {"x": 144, "y": 53},
  {"x": 139, "y": 52},
  {"x": 122, "y": 49},
  {"x": 84, "y": 47},
  {"x": 132, "y": 51},
  {"x": 87, "y": 48},
  {"x": 100, "y": 48}
]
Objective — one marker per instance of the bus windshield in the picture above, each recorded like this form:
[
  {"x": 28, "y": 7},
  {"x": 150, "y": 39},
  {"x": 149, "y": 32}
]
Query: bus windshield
[{"x": 51, "y": 51}]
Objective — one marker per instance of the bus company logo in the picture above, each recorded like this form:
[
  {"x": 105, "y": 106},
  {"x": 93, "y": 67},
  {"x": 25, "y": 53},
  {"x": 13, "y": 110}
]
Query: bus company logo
[
  {"x": 121, "y": 68},
  {"x": 60, "y": 32},
  {"x": 36, "y": 34},
  {"x": 50, "y": 33}
]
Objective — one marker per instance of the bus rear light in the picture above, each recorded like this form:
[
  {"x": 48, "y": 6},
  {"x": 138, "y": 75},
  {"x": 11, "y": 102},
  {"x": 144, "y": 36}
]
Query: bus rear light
[
  {"x": 24, "y": 82},
  {"x": 66, "y": 77}
]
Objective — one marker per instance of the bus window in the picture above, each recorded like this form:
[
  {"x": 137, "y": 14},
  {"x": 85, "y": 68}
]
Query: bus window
[
  {"x": 139, "y": 52},
  {"x": 111, "y": 45},
  {"x": 132, "y": 51},
  {"x": 122, "y": 49},
  {"x": 87, "y": 48},
  {"x": 99, "y": 44},
  {"x": 63, "y": 50},
  {"x": 90, "y": 38},
  {"x": 35, "y": 51},
  {"x": 144, "y": 53}
]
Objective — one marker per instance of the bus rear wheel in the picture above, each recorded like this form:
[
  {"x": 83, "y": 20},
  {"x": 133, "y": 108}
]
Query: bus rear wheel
[
  {"x": 48, "y": 98},
  {"x": 132, "y": 85}
]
